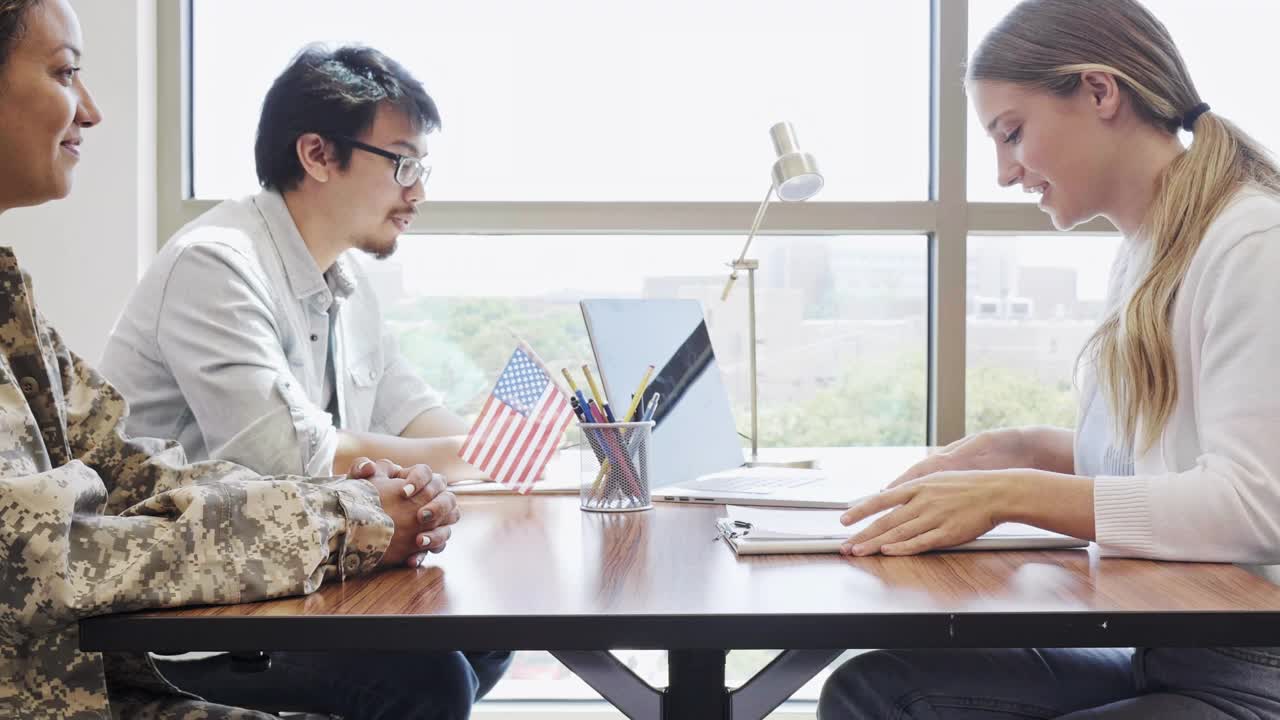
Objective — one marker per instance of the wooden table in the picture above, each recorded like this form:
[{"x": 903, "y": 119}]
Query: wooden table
[{"x": 536, "y": 573}]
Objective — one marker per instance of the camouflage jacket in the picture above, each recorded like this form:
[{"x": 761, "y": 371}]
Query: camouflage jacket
[{"x": 94, "y": 522}]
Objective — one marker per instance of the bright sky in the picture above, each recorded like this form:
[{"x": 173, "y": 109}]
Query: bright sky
[
  {"x": 1228, "y": 45},
  {"x": 585, "y": 100},
  {"x": 663, "y": 100}
]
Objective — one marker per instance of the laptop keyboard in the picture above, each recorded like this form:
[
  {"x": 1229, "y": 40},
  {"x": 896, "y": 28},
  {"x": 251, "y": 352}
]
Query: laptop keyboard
[{"x": 749, "y": 484}]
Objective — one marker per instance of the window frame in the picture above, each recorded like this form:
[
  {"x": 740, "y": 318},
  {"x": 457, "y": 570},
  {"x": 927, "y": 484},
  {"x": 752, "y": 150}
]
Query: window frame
[{"x": 947, "y": 218}]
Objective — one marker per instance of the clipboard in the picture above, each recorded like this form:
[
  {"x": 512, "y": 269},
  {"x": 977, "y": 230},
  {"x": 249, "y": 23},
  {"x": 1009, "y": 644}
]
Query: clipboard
[
  {"x": 738, "y": 538},
  {"x": 748, "y": 534}
]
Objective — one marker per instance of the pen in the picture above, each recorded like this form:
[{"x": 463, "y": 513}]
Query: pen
[
  {"x": 653, "y": 406},
  {"x": 601, "y": 400},
  {"x": 601, "y": 442},
  {"x": 586, "y": 411},
  {"x": 614, "y": 448},
  {"x": 594, "y": 440},
  {"x": 577, "y": 409},
  {"x": 584, "y": 415},
  {"x": 648, "y": 417},
  {"x": 635, "y": 399},
  {"x": 582, "y": 399}
]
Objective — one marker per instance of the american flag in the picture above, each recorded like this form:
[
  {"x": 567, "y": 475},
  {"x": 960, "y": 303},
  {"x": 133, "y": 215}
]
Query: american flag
[{"x": 521, "y": 424}]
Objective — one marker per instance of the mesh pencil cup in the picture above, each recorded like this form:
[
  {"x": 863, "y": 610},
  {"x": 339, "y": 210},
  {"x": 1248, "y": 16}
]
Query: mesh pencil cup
[{"x": 615, "y": 466}]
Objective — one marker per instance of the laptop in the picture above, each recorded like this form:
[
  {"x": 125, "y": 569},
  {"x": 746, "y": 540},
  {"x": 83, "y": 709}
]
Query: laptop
[{"x": 695, "y": 452}]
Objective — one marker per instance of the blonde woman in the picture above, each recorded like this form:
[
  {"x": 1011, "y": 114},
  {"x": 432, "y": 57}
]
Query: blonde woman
[{"x": 1174, "y": 455}]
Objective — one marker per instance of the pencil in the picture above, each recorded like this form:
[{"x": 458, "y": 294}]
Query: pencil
[
  {"x": 601, "y": 400},
  {"x": 573, "y": 387},
  {"x": 635, "y": 399}
]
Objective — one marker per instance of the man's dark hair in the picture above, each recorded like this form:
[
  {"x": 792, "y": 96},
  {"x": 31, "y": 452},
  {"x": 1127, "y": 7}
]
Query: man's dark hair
[
  {"x": 332, "y": 93},
  {"x": 13, "y": 15}
]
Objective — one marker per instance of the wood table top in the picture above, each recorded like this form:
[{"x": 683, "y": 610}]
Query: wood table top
[{"x": 538, "y": 572}]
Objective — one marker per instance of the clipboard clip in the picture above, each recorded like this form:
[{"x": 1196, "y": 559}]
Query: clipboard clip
[{"x": 732, "y": 529}]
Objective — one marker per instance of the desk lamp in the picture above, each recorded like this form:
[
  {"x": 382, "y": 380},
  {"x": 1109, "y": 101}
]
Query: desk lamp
[{"x": 795, "y": 177}]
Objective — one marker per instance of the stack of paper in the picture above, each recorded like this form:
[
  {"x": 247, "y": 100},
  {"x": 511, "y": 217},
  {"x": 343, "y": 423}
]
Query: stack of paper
[
  {"x": 761, "y": 531},
  {"x": 790, "y": 524}
]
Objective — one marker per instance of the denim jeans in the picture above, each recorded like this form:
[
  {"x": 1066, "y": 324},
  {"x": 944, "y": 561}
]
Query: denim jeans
[
  {"x": 355, "y": 686},
  {"x": 1077, "y": 684}
]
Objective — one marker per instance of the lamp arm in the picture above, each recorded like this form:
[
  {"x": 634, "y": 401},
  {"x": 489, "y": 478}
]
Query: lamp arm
[{"x": 755, "y": 225}]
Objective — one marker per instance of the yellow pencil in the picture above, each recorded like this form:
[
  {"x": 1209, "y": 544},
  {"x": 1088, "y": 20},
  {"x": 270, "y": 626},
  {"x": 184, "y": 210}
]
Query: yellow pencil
[
  {"x": 604, "y": 467},
  {"x": 573, "y": 388},
  {"x": 595, "y": 486},
  {"x": 595, "y": 391},
  {"x": 635, "y": 399}
]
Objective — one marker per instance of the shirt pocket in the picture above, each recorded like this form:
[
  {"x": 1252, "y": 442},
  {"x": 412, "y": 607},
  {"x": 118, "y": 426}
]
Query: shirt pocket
[{"x": 362, "y": 391}]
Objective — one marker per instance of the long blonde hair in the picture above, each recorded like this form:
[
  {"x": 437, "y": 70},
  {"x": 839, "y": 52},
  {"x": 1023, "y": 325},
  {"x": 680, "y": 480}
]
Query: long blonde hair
[{"x": 1047, "y": 44}]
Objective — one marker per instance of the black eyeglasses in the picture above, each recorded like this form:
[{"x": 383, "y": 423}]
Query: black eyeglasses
[{"x": 409, "y": 170}]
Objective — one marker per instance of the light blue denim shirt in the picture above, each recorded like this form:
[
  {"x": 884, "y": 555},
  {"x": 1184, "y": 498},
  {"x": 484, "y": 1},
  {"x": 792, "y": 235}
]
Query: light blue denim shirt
[{"x": 224, "y": 346}]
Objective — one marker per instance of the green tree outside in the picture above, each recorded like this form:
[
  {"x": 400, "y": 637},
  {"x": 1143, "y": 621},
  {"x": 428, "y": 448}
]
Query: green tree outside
[{"x": 459, "y": 345}]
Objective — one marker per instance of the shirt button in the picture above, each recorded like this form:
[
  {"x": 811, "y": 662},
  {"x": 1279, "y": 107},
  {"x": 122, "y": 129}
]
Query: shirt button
[
  {"x": 373, "y": 374},
  {"x": 351, "y": 562},
  {"x": 28, "y": 385},
  {"x": 314, "y": 337}
]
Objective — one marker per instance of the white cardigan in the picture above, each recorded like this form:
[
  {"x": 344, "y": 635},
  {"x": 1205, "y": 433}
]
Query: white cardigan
[{"x": 1209, "y": 488}]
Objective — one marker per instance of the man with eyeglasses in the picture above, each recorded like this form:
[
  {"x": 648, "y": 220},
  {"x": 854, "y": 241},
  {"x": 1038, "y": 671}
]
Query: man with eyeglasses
[{"x": 255, "y": 337}]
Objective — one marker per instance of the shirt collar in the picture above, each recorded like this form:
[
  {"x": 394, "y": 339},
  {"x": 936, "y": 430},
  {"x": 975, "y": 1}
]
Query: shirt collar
[{"x": 305, "y": 278}]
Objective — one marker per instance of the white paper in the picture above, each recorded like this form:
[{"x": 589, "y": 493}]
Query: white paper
[
  {"x": 790, "y": 524},
  {"x": 795, "y": 524}
]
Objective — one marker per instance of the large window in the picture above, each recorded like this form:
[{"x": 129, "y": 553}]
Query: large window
[
  {"x": 1032, "y": 304},
  {"x": 841, "y": 323},
  {"x": 571, "y": 102},
  {"x": 1032, "y": 301},
  {"x": 1220, "y": 42},
  {"x": 618, "y": 149},
  {"x": 579, "y": 100}
]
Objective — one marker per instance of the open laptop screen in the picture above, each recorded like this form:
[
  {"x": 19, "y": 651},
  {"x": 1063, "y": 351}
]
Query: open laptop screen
[{"x": 695, "y": 432}]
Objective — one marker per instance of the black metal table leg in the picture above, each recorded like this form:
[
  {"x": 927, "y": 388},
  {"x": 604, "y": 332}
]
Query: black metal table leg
[
  {"x": 695, "y": 686},
  {"x": 695, "y": 683}
]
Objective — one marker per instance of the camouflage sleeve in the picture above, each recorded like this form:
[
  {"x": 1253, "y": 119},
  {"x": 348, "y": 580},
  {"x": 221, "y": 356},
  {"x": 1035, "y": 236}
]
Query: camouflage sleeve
[
  {"x": 247, "y": 540},
  {"x": 127, "y": 524},
  {"x": 227, "y": 541},
  {"x": 355, "y": 532}
]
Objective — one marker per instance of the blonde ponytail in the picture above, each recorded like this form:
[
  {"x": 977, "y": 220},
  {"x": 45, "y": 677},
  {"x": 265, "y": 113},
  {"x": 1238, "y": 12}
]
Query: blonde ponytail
[
  {"x": 1133, "y": 349},
  {"x": 1048, "y": 44}
]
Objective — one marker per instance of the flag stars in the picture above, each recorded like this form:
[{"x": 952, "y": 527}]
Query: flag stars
[{"x": 521, "y": 383}]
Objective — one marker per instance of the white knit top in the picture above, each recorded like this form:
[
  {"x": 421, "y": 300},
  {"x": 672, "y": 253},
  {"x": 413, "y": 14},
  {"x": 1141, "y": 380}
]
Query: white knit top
[{"x": 1209, "y": 488}]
